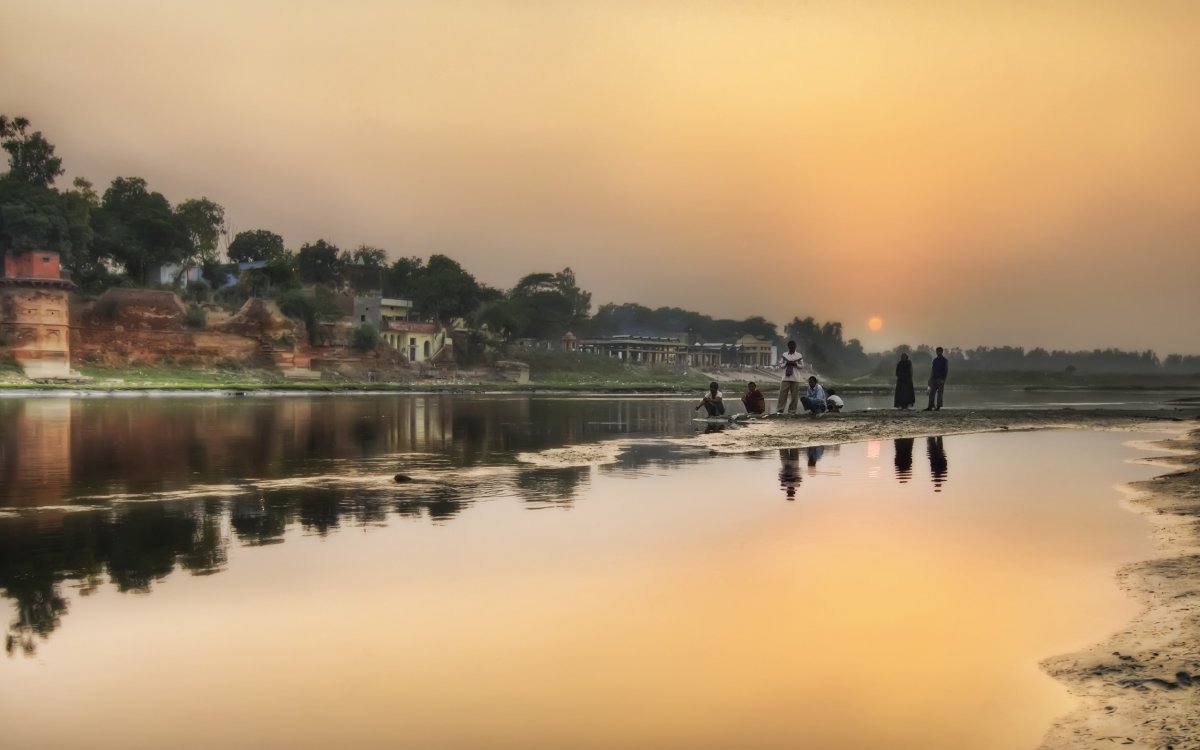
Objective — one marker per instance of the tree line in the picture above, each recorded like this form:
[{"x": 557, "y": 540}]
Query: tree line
[{"x": 120, "y": 236}]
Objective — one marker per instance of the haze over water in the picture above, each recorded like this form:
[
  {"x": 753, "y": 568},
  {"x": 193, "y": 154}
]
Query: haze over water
[{"x": 879, "y": 594}]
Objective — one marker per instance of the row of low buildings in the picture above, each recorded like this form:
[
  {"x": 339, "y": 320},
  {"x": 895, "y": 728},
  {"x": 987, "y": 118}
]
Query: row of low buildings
[{"x": 746, "y": 351}]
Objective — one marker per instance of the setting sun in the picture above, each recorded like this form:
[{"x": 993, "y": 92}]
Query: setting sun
[{"x": 875, "y": 323}]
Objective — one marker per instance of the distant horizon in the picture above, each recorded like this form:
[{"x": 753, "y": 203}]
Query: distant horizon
[{"x": 991, "y": 172}]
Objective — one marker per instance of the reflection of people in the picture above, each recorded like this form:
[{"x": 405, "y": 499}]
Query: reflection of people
[
  {"x": 906, "y": 395},
  {"x": 939, "y": 467},
  {"x": 713, "y": 402},
  {"x": 904, "y": 448},
  {"x": 754, "y": 400},
  {"x": 789, "y": 471},
  {"x": 814, "y": 453},
  {"x": 937, "y": 380},
  {"x": 789, "y": 388},
  {"x": 813, "y": 400},
  {"x": 834, "y": 402}
]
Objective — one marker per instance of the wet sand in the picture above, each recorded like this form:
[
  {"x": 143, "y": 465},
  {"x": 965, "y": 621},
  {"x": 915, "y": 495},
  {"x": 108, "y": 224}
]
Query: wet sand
[{"x": 1140, "y": 688}]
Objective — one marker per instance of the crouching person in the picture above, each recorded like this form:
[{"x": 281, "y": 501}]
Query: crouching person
[
  {"x": 834, "y": 402},
  {"x": 713, "y": 402},
  {"x": 814, "y": 398},
  {"x": 754, "y": 400}
]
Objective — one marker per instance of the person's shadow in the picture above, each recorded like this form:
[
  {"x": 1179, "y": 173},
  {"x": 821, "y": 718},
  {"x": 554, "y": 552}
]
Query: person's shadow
[{"x": 939, "y": 467}]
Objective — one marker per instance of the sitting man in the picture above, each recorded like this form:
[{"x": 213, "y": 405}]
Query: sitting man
[
  {"x": 713, "y": 401},
  {"x": 834, "y": 402},
  {"x": 813, "y": 399},
  {"x": 754, "y": 400}
]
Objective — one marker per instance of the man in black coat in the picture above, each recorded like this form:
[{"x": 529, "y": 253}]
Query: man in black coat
[{"x": 937, "y": 380}]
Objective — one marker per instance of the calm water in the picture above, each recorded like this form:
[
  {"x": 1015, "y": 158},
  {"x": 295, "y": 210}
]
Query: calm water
[{"x": 243, "y": 572}]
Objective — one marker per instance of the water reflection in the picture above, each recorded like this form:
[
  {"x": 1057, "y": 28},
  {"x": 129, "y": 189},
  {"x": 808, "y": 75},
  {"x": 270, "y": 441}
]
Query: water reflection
[
  {"x": 54, "y": 450},
  {"x": 903, "y": 459},
  {"x": 789, "y": 471},
  {"x": 939, "y": 467},
  {"x": 694, "y": 602}
]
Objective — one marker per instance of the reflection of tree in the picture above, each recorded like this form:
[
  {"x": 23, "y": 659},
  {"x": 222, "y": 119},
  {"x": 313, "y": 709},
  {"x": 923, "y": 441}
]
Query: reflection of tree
[
  {"x": 551, "y": 485},
  {"x": 439, "y": 502},
  {"x": 260, "y": 520},
  {"x": 658, "y": 455},
  {"x": 135, "y": 546},
  {"x": 154, "y": 446}
]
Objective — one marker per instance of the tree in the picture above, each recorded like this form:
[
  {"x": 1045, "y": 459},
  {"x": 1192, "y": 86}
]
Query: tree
[
  {"x": 32, "y": 217},
  {"x": 371, "y": 257},
  {"x": 137, "y": 228},
  {"x": 366, "y": 338},
  {"x": 31, "y": 157},
  {"x": 546, "y": 304},
  {"x": 402, "y": 277},
  {"x": 203, "y": 221},
  {"x": 255, "y": 245},
  {"x": 445, "y": 290},
  {"x": 320, "y": 263}
]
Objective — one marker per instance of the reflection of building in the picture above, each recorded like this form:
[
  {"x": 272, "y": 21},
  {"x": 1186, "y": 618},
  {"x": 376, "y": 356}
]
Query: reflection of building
[
  {"x": 35, "y": 453},
  {"x": 34, "y": 313}
]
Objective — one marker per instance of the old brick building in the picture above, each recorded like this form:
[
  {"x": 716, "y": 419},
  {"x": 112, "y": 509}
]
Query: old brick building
[{"x": 35, "y": 313}]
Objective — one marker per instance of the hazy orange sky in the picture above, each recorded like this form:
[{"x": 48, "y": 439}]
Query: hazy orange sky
[{"x": 971, "y": 172}]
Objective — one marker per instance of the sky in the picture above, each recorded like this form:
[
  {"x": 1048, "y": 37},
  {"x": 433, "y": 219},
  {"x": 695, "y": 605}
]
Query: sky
[{"x": 971, "y": 173}]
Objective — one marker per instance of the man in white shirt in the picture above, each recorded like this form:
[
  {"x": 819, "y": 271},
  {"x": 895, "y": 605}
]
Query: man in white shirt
[
  {"x": 813, "y": 400},
  {"x": 713, "y": 401},
  {"x": 792, "y": 363},
  {"x": 834, "y": 402}
]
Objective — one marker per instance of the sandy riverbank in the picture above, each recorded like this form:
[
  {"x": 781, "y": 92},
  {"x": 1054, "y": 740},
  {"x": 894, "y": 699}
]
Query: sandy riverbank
[{"x": 1140, "y": 688}]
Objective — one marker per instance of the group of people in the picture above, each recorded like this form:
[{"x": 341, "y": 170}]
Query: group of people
[
  {"x": 816, "y": 400},
  {"x": 906, "y": 396}
]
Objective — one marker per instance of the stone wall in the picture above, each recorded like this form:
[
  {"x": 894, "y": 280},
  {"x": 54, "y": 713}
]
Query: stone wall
[{"x": 126, "y": 326}]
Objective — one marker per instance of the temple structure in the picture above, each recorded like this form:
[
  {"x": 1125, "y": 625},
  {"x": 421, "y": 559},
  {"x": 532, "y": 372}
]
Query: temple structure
[{"x": 35, "y": 320}]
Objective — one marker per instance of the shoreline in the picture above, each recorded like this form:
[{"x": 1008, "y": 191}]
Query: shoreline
[{"x": 1139, "y": 687}]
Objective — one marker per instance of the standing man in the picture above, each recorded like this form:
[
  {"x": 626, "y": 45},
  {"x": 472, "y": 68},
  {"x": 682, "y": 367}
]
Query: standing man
[
  {"x": 937, "y": 380},
  {"x": 791, "y": 361},
  {"x": 813, "y": 400}
]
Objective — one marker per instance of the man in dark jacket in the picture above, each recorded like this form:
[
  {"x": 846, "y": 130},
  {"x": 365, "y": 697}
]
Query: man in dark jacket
[{"x": 937, "y": 380}]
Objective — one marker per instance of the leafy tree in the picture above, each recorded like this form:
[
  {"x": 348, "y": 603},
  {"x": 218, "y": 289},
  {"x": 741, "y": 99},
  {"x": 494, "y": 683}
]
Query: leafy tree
[
  {"x": 32, "y": 217},
  {"x": 547, "y": 304},
  {"x": 445, "y": 290},
  {"x": 503, "y": 318},
  {"x": 371, "y": 257},
  {"x": 319, "y": 262},
  {"x": 402, "y": 277},
  {"x": 640, "y": 320},
  {"x": 255, "y": 245},
  {"x": 30, "y": 156},
  {"x": 366, "y": 338},
  {"x": 138, "y": 229},
  {"x": 203, "y": 221}
]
